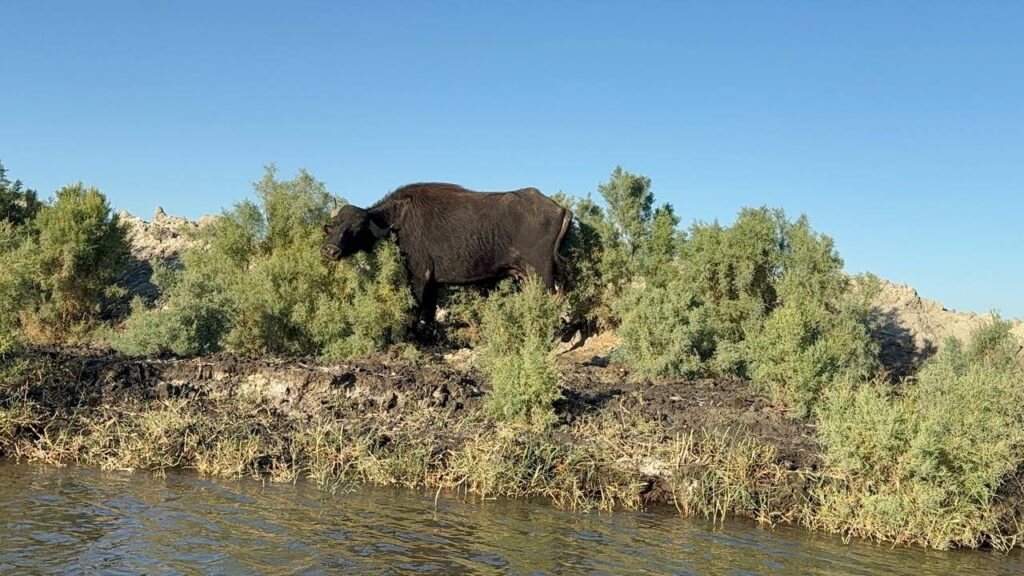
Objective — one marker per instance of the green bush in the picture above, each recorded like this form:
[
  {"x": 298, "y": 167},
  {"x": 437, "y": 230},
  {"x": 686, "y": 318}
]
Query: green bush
[
  {"x": 367, "y": 306},
  {"x": 518, "y": 338},
  {"x": 804, "y": 347},
  {"x": 63, "y": 264},
  {"x": 256, "y": 283},
  {"x": 937, "y": 461},
  {"x": 582, "y": 252},
  {"x": 14, "y": 284},
  {"x": 18, "y": 205},
  {"x": 664, "y": 332},
  {"x": 58, "y": 262},
  {"x": 721, "y": 288},
  {"x": 461, "y": 309},
  {"x": 818, "y": 332},
  {"x": 173, "y": 326},
  {"x": 765, "y": 298},
  {"x": 609, "y": 246}
]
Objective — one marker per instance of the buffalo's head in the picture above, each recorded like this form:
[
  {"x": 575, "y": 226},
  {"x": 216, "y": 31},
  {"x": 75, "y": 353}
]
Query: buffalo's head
[{"x": 351, "y": 230}]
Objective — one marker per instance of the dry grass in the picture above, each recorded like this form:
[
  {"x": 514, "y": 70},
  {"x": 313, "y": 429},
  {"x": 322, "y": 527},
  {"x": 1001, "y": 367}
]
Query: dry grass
[{"x": 611, "y": 460}]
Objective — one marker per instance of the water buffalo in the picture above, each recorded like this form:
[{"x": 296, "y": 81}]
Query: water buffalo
[{"x": 450, "y": 235}]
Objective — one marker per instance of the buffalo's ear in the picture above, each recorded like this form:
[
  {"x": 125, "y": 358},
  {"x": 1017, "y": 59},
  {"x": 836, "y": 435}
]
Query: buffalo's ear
[
  {"x": 327, "y": 228},
  {"x": 377, "y": 231}
]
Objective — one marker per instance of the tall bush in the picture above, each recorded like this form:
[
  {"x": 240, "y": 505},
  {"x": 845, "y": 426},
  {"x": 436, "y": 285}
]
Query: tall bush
[
  {"x": 518, "y": 338},
  {"x": 610, "y": 245},
  {"x": 14, "y": 284},
  {"x": 817, "y": 332},
  {"x": 64, "y": 266},
  {"x": 256, "y": 283},
  {"x": 764, "y": 298},
  {"x": 709, "y": 300},
  {"x": 18, "y": 205},
  {"x": 938, "y": 460}
]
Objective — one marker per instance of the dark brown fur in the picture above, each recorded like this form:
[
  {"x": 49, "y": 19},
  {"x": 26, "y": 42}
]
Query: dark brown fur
[{"x": 451, "y": 235}]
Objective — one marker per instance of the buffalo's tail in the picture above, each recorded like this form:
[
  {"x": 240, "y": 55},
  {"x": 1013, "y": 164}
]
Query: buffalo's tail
[{"x": 560, "y": 285}]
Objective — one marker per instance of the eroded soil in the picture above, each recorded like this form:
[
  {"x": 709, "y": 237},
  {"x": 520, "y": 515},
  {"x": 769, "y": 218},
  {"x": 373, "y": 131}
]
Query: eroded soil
[{"x": 388, "y": 387}]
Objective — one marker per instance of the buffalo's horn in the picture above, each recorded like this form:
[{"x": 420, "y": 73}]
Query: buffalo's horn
[
  {"x": 336, "y": 209},
  {"x": 377, "y": 231}
]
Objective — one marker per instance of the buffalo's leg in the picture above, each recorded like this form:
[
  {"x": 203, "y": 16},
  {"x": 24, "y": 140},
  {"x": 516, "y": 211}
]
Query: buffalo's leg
[
  {"x": 424, "y": 292},
  {"x": 428, "y": 305},
  {"x": 547, "y": 274}
]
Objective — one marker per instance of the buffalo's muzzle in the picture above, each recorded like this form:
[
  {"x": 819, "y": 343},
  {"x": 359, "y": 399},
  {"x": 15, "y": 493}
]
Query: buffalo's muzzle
[{"x": 331, "y": 252}]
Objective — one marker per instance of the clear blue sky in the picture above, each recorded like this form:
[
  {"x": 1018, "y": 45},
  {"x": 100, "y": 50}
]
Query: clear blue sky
[{"x": 898, "y": 127}]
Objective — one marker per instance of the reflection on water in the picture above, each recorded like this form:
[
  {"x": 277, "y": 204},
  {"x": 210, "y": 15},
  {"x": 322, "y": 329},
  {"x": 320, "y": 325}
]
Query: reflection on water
[{"x": 82, "y": 520}]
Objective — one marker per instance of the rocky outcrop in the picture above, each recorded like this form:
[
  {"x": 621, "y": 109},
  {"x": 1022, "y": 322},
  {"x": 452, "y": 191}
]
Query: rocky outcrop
[
  {"x": 163, "y": 237},
  {"x": 160, "y": 240},
  {"x": 910, "y": 328}
]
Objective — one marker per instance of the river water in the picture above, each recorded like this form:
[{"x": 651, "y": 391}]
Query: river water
[{"x": 79, "y": 520}]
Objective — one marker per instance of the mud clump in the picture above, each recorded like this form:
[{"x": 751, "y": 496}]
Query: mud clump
[
  {"x": 295, "y": 388},
  {"x": 390, "y": 388},
  {"x": 724, "y": 407}
]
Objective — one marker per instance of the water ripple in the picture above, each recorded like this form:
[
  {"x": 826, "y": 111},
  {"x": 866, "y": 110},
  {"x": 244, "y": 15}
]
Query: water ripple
[{"x": 73, "y": 521}]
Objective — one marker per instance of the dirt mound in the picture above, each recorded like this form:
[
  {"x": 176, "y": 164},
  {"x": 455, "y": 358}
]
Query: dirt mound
[
  {"x": 722, "y": 407},
  {"x": 391, "y": 388},
  {"x": 297, "y": 389}
]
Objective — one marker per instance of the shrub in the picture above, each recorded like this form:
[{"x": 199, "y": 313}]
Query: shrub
[
  {"x": 14, "y": 284},
  {"x": 936, "y": 462},
  {"x": 664, "y": 332},
  {"x": 725, "y": 281},
  {"x": 582, "y": 252},
  {"x": 256, "y": 283},
  {"x": 609, "y": 246},
  {"x": 462, "y": 309},
  {"x": 720, "y": 287},
  {"x": 817, "y": 333},
  {"x": 367, "y": 306},
  {"x": 804, "y": 347},
  {"x": 18, "y": 205},
  {"x": 764, "y": 298},
  {"x": 663, "y": 245},
  {"x": 65, "y": 266},
  {"x": 185, "y": 330},
  {"x": 518, "y": 337}
]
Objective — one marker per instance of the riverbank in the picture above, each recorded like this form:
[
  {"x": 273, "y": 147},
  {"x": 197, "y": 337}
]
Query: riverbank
[{"x": 707, "y": 447}]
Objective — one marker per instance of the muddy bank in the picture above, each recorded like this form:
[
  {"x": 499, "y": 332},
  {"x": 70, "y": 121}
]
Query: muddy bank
[{"x": 389, "y": 387}]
